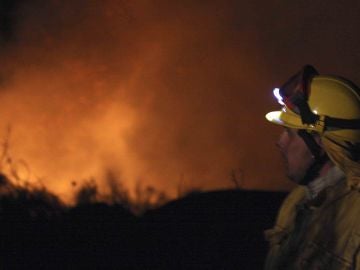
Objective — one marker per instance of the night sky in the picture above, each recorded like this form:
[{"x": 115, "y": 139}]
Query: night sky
[{"x": 165, "y": 93}]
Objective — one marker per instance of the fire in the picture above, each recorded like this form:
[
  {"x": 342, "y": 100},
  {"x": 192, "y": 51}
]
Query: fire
[{"x": 146, "y": 91}]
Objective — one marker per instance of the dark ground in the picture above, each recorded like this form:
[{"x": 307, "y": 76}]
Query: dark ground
[{"x": 213, "y": 230}]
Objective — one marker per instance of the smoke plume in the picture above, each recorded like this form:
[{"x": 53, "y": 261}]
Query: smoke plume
[{"x": 162, "y": 93}]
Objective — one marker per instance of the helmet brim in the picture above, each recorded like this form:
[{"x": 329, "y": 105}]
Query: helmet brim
[{"x": 286, "y": 119}]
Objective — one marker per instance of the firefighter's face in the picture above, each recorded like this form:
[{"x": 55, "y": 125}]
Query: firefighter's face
[{"x": 296, "y": 154}]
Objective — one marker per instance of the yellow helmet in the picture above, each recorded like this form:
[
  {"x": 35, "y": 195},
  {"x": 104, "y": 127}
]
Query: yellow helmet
[{"x": 327, "y": 105}]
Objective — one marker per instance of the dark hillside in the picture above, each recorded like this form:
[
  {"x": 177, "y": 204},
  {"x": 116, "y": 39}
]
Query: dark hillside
[{"x": 213, "y": 230}]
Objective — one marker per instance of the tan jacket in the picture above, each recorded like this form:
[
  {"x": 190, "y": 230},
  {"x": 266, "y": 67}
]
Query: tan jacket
[{"x": 320, "y": 234}]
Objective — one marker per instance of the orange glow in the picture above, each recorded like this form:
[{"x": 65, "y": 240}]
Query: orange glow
[{"x": 153, "y": 93}]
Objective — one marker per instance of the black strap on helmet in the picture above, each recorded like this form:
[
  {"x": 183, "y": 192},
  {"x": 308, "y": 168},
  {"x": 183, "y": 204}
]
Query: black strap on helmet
[
  {"x": 337, "y": 123},
  {"x": 313, "y": 172},
  {"x": 309, "y": 140},
  {"x": 308, "y": 117},
  {"x": 320, "y": 158},
  {"x": 296, "y": 90},
  {"x": 295, "y": 93}
]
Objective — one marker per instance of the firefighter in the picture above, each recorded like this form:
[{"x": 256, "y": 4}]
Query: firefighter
[{"x": 318, "y": 225}]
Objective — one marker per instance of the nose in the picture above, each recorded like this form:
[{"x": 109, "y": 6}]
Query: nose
[{"x": 282, "y": 141}]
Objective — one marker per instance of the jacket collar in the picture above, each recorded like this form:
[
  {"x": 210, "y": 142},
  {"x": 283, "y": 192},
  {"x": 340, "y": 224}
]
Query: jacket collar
[{"x": 314, "y": 188}]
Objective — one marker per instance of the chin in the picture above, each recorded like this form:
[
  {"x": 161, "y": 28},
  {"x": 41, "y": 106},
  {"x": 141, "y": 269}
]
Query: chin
[{"x": 296, "y": 178}]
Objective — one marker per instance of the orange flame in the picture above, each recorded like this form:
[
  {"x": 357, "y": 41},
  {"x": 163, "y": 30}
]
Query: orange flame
[{"x": 149, "y": 92}]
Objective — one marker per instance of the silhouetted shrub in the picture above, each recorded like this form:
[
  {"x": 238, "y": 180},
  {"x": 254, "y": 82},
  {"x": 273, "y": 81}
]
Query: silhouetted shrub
[
  {"x": 87, "y": 194},
  {"x": 212, "y": 230}
]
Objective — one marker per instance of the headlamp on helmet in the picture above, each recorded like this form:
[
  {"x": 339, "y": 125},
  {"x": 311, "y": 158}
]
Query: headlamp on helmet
[{"x": 294, "y": 95}]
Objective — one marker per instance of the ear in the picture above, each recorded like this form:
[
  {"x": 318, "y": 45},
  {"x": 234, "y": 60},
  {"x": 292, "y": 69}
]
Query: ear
[{"x": 319, "y": 142}]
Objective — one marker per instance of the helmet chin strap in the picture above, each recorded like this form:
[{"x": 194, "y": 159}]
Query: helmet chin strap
[{"x": 319, "y": 158}]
